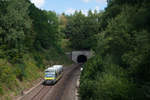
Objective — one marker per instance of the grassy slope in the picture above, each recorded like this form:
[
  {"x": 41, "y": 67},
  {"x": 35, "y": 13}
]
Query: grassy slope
[{"x": 31, "y": 70}]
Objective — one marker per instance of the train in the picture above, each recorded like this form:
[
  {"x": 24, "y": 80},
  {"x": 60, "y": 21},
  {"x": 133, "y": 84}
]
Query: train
[{"x": 53, "y": 74}]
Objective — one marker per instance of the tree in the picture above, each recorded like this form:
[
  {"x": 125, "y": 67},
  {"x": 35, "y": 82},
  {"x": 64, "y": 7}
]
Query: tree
[
  {"x": 15, "y": 24},
  {"x": 81, "y": 30},
  {"x": 123, "y": 43},
  {"x": 45, "y": 25}
]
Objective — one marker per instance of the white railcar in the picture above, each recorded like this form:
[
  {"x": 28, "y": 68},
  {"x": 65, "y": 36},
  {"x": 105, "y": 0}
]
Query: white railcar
[{"x": 53, "y": 74}]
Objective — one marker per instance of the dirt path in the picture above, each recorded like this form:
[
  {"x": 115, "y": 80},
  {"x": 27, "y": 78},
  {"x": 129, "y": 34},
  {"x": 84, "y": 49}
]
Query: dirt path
[{"x": 64, "y": 89}]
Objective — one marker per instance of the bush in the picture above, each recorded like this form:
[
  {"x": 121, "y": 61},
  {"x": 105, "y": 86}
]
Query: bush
[
  {"x": 103, "y": 80},
  {"x": 1, "y": 90},
  {"x": 20, "y": 71},
  {"x": 7, "y": 76},
  {"x": 111, "y": 87},
  {"x": 86, "y": 90},
  {"x": 38, "y": 59},
  {"x": 87, "y": 80},
  {"x": 91, "y": 68}
]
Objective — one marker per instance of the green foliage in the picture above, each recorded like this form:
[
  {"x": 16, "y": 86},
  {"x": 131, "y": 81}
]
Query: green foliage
[
  {"x": 92, "y": 67},
  {"x": 30, "y": 39},
  {"x": 23, "y": 28},
  {"x": 7, "y": 76},
  {"x": 45, "y": 24},
  {"x": 124, "y": 46},
  {"x": 111, "y": 87},
  {"x": 14, "y": 27},
  {"x": 81, "y": 30},
  {"x": 87, "y": 86},
  {"x": 20, "y": 71},
  {"x": 38, "y": 59},
  {"x": 55, "y": 56},
  {"x": 1, "y": 90},
  {"x": 107, "y": 82}
]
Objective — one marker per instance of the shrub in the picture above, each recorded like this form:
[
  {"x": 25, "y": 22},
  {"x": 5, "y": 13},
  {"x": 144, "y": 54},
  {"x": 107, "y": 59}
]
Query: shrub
[
  {"x": 1, "y": 90},
  {"x": 20, "y": 71},
  {"x": 86, "y": 90},
  {"x": 38, "y": 60},
  {"x": 112, "y": 87},
  {"x": 103, "y": 80},
  {"x": 7, "y": 76},
  {"x": 91, "y": 68}
]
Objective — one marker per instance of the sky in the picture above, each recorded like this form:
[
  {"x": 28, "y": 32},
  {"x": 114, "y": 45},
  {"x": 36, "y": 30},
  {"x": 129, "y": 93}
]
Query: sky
[{"x": 69, "y": 6}]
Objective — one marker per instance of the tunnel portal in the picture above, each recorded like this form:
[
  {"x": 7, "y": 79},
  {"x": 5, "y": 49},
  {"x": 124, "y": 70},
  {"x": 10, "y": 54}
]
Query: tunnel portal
[
  {"x": 80, "y": 56},
  {"x": 81, "y": 59}
]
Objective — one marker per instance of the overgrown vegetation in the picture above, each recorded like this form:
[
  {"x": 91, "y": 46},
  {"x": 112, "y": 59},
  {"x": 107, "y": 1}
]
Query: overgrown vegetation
[
  {"x": 120, "y": 37},
  {"x": 121, "y": 69},
  {"x": 30, "y": 39},
  {"x": 81, "y": 29}
]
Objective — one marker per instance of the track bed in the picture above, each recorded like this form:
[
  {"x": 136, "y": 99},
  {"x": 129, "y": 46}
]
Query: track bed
[{"x": 64, "y": 89}]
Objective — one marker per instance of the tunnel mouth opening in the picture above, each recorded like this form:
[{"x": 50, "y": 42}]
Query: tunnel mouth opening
[{"x": 81, "y": 59}]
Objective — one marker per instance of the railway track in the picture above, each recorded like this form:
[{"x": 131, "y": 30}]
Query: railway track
[
  {"x": 62, "y": 90},
  {"x": 37, "y": 93},
  {"x": 42, "y": 92}
]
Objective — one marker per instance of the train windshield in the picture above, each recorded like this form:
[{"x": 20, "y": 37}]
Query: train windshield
[{"x": 50, "y": 74}]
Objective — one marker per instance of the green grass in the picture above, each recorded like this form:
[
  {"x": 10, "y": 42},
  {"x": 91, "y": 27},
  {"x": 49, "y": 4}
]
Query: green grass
[
  {"x": 14, "y": 78},
  {"x": 65, "y": 45}
]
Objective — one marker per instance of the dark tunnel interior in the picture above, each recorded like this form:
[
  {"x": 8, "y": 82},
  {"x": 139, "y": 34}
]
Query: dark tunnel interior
[{"x": 81, "y": 59}]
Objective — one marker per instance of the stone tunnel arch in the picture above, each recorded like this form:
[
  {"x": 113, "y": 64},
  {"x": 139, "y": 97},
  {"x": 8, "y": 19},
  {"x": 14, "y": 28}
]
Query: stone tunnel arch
[
  {"x": 79, "y": 56},
  {"x": 81, "y": 59}
]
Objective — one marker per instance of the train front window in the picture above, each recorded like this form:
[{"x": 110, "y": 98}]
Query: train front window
[
  {"x": 49, "y": 75},
  {"x": 49, "y": 72}
]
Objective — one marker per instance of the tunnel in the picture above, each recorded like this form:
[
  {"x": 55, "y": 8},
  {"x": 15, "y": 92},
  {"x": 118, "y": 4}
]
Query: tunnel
[{"x": 81, "y": 59}]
